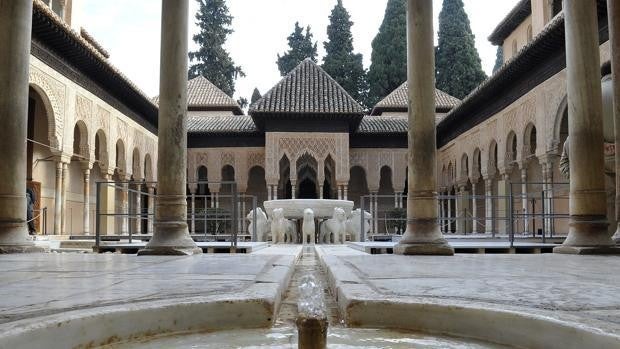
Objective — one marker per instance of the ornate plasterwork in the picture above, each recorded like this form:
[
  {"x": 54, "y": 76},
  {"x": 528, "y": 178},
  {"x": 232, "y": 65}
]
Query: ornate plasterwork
[
  {"x": 83, "y": 109},
  {"x": 227, "y": 158},
  {"x": 256, "y": 159},
  {"x": 53, "y": 94},
  {"x": 317, "y": 145}
]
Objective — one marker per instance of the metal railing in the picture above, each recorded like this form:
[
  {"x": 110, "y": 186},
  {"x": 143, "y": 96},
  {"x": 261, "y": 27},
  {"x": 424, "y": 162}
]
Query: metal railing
[
  {"x": 539, "y": 213},
  {"x": 40, "y": 214},
  {"x": 125, "y": 211}
]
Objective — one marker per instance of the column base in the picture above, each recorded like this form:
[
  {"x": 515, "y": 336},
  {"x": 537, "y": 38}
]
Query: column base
[
  {"x": 423, "y": 237},
  {"x": 616, "y": 236},
  {"x": 21, "y": 248},
  {"x": 596, "y": 250},
  {"x": 170, "y": 239},
  {"x": 424, "y": 249}
]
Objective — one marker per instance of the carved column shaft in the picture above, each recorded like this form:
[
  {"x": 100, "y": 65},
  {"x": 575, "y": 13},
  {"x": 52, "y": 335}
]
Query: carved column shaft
[
  {"x": 422, "y": 235},
  {"x": 588, "y": 203},
  {"x": 171, "y": 235},
  {"x": 613, "y": 11},
  {"x": 15, "y": 29}
]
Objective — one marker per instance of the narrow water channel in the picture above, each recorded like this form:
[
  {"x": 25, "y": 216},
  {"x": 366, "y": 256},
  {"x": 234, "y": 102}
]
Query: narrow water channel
[{"x": 307, "y": 264}]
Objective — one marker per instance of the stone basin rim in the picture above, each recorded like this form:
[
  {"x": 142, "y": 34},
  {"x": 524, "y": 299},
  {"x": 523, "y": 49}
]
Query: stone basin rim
[{"x": 161, "y": 313}]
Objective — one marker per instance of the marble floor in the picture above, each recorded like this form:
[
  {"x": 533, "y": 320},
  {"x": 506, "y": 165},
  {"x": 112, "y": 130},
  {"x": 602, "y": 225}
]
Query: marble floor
[
  {"x": 36, "y": 285},
  {"x": 579, "y": 289}
]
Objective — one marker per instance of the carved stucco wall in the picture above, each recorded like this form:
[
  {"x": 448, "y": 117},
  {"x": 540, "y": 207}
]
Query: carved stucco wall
[
  {"x": 543, "y": 107},
  {"x": 67, "y": 104},
  {"x": 317, "y": 145}
]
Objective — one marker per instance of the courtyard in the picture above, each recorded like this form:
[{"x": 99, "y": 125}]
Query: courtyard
[{"x": 414, "y": 199}]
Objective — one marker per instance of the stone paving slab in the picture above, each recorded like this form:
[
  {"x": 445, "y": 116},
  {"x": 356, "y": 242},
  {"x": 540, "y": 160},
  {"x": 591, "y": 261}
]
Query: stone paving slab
[
  {"x": 36, "y": 285},
  {"x": 583, "y": 290}
]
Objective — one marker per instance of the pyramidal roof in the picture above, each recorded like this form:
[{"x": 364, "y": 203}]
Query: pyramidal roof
[
  {"x": 203, "y": 95},
  {"x": 307, "y": 89},
  {"x": 397, "y": 101}
]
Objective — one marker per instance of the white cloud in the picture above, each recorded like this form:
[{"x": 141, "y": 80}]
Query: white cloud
[{"x": 130, "y": 30}]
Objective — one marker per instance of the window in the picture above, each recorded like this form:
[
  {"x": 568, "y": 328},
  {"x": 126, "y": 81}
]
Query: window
[{"x": 530, "y": 35}]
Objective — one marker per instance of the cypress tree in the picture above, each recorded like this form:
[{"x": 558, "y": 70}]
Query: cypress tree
[
  {"x": 212, "y": 60},
  {"x": 300, "y": 48},
  {"x": 458, "y": 67},
  {"x": 499, "y": 59},
  {"x": 255, "y": 96},
  {"x": 346, "y": 67},
  {"x": 388, "y": 69}
]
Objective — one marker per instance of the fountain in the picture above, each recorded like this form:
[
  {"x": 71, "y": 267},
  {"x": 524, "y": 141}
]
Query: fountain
[{"x": 312, "y": 316}]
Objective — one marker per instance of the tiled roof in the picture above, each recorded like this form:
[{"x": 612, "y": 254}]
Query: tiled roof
[
  {"x": 512, "y": 20},
  {"x": 397, "y": 100},
  {"x": 77, "y": 50},
  {"x": 202, "y": 94},
  {"x": 307, "y": 89},
  {"x": 221, "y": 124},
  {"x": 383, "y": 124}
]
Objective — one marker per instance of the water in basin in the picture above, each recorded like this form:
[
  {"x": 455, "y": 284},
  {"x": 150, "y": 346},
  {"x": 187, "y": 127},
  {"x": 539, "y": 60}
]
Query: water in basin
[{"x": 286, "y": 338}]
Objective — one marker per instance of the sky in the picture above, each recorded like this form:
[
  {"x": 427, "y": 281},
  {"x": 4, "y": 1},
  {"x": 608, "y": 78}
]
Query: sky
[{"x": 130, "y": 31}]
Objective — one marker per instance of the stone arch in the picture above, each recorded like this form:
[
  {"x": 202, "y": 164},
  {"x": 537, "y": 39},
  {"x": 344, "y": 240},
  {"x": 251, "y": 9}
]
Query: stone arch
[
  {"x": 101, "y": 150},
  {"x": 358, "y": 185},
  {"x": 329, "y": 182},
  {"x": 53, "y": 107},
  {"x": 81, "y": 146},
  {"x": 529, "y": 141},
  {"x": 511, "y": 149},
  {"x": 561, "y": 113},
  {"x": 257, "y": 184},
  {"x": 530, "y": 34},
  {"x": 120, "y": 159},
  {"x": 465, "y": 168},
  {"x": 148, "y": 168},
  {"x": 476, "y": 170},
  {"x": 493, "y": 157},
  {"x": 307, "y": 176},
  {"x": 450, "y": 178},
  {"x": 136, "y": 164}
]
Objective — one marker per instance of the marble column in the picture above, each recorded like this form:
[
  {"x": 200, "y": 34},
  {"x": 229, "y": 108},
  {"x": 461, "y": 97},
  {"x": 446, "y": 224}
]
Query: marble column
[
  {"x": 547, "y": 168},
  {"x": 524, "y": 200},
  {"x": 449, "y": 215},
  {"x": 345, "y": 190},
  {"x": 151, "y": 209},
  {"x": 192, "y": 228},
  {"x": 107, "y": 198},
  {"x": 171, "y": 235},
  {"x": 613, "y": 11},
  {"x": 124, "y": 206},
  {"x": 488, "y": 205},
  {"x": 269, "y": 191},
  {"x": 63, "y": 207},
  {"x": 321, "y": 191},
  {"x": 588, "y": 204},
  {"x": 461, "y": 211},
  {"x": 15, "y": 29},
  {"x": 422, "y": 235},
  {"x": 474, "y": 209},
  {"x": 58, "y": 200},
  {"x": 86, "y": 213},
  {"x": 138, "y": 208}
]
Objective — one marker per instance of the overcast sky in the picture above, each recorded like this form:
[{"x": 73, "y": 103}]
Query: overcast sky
[{"x": 130, "y": 31}]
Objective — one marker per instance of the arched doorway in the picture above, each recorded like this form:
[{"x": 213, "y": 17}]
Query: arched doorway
[{"x": 307, "y": 177}]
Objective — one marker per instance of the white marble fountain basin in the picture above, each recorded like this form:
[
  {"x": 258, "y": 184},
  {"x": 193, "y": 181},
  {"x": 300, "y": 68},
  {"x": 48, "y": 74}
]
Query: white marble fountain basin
[{"x": 294, "y": 208}]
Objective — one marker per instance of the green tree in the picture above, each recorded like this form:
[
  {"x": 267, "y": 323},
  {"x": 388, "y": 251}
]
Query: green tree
[
  {"x": 346, "y": 67},
  {"x": 243, "y": 102},
  {"x": 499, "y": 60},
  {"x": 458, "y": 68},
  {"x": 211, "y": 59},
  {"x": 255, "y": 96},
  {"x": 300, "y": 48},
  {"x": 388, "y": 68}
]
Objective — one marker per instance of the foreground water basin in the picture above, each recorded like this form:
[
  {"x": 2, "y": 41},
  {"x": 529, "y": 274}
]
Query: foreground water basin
[{"x": 281, "y": 338}]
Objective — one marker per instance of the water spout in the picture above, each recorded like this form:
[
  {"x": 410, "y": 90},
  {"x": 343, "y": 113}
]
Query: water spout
[{"x": 312, "y": 314}]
